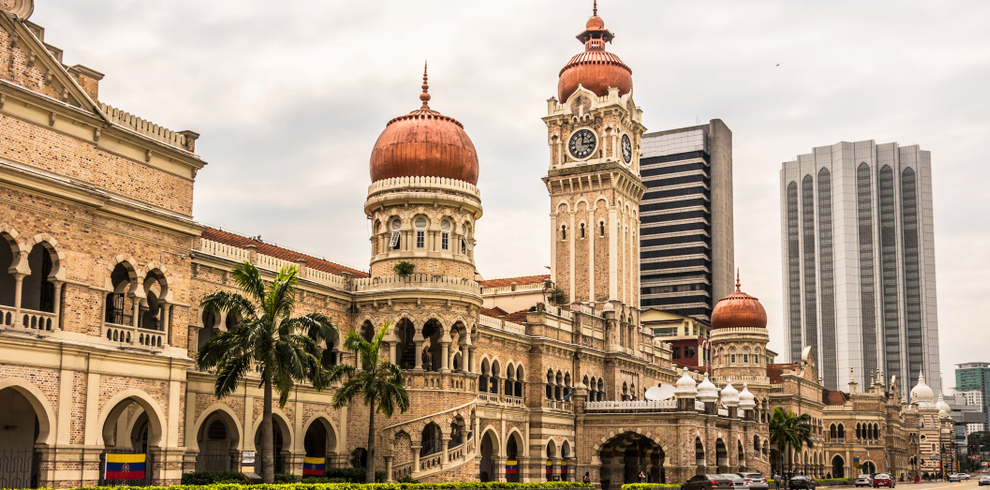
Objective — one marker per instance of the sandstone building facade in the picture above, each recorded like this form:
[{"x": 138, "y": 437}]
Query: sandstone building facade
[{"x": 104, "y": 268}]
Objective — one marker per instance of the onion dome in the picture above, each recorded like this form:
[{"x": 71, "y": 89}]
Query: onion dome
[
  {"x": 707, "y": 391},
  {"x": 747, "y": 401},
  {"x": 730, "y": 395},
  {"x": 424, "y": 143},
  {"x": 595, "y": 69},
  {"x": 922, "y": 394},
  {"x": 942, "y": 406},
  {"x": 739, "y": 310},
  {"x": 686, "y": 387}
]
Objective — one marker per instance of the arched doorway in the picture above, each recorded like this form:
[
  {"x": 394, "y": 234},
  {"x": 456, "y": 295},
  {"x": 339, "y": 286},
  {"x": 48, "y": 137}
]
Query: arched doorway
[
  {"x": 512, "y": 453},
  {"x": 868, "y": 468},
  {"x": 278, "y": 445},
  {"x": 359, "y": 458},
  {"x": 489, "y": 450},
  {"x": 320, "y": 441},
  {"x": 625, "y": 455},
  {"x": 19, "y": 462},
  {"x": 218, "y": 441},
  {"x": 721, "y": 456},
  {"x": 131, "y": 425},
  {"x": 406, "y": 355},
  {"x": 551, "y": 454},
  {"x": 432, "y": 355}
]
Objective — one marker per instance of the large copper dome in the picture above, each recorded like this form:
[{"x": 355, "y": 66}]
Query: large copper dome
[
  {"x": 424, "y": 143},
  {"x": 595, "y": 69},
  {"x": 739, "y": 310}
]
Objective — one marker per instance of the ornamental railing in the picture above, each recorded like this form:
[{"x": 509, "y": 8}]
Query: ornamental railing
[
  {"x": 416, "y": 281},
  {"x": 633, "y": 405},
  {"x": 501, "y": 324}
]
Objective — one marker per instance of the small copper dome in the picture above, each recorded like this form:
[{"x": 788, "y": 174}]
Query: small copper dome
[
  {"x": 424, "y": 143},
  {"x": 595, "y": 69},
  {"x": 739, "y": 310}
]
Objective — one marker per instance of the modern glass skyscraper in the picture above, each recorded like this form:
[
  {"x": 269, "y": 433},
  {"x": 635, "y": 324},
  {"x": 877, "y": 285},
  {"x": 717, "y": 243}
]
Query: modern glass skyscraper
[
  {"x": 975, "y": 377},
  {"x": 859, "y": 261},
  {"x": 686, "y": 243}
]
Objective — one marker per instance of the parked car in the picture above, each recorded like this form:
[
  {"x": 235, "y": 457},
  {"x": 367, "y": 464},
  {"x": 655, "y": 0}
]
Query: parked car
[
  {"x": 802, "y": 482},
  {"x": 883, "y": 480},
  {"x": 755, "y": 481},
  {"x": 864, "y": 481},
  {"x": 708, "y": 482},
  {"x": 984, "y": 480},
  {"x": 738, "y": 482},
  {"x": 955, "y": 477}
]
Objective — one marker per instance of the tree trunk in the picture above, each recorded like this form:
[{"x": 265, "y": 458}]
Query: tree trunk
[
  {"x": 369, "y": 475},
  {"x": 267, "y": 439}
]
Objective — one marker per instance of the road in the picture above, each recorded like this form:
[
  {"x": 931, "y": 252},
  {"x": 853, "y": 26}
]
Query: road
[{"x": 938, "y": 485}]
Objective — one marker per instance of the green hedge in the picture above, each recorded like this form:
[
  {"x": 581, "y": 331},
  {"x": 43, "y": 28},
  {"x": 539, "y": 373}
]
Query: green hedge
[
  {"x": 211, "y": 477},
  {"x": 648, "y": 486}
]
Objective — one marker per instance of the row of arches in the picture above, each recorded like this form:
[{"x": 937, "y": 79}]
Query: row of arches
[
  {"x": 420, "y": 232},
  {"x": 558, "y": 385},
  {"x": 596, "y": 389},
  {"x": 32, "y": 276},
  {"x": 506, "y": 460},
  {"x": 491, "y": 378},
  {"x": 741, "y": 356}
]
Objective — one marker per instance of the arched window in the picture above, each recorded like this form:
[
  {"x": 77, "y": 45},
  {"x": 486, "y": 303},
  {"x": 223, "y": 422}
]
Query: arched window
[
  {"x": 732, "y": 355},
  {"x": 563, "y": 232},
  {"x": 445, "y": 235},
  {"x": 394, "y": 241},
  {"x": 582, "y": 231},
  {"x": 420, "y": 225},
  {"x": 745, "y": 355},
  {"x": 832, "y": 432},
  {"x": 601, "y": 390},
  {"x": 601, "y": 228},
  {"x": 549, "y": 385}
]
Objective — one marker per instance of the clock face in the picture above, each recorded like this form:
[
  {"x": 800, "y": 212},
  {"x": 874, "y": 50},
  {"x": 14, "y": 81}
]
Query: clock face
[
  {"x": 626, "y": 149},
  {"x": 582, "y": 144}
]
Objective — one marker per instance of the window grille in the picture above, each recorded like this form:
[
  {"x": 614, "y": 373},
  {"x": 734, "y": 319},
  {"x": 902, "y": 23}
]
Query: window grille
[{"x": 217, "y": 431}]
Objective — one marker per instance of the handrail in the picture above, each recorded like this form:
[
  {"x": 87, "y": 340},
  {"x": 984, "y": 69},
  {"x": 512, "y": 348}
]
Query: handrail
[{"x": 428, "y": 416}]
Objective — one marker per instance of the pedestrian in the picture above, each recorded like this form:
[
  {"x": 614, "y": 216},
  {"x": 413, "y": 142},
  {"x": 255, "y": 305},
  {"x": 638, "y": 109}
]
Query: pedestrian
[
  {"x": 587, "y": 477},
  {"x": 828, "y": 476},
  {"x": 776, "y": 479},
  {"x": 642, "y": 477}
]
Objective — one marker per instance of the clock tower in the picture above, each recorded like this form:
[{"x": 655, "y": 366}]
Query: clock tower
[{"x": 595, "y": 132}]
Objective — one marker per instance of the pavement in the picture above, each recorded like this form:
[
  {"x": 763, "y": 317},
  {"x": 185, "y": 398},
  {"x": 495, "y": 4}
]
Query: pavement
[{"x": 935, "y": 485}]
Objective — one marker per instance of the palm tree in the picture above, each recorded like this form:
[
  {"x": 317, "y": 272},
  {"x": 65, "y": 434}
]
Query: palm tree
[
  {"x": 378, "y": 382},
  {"x": 789, "y": 431},
  {"x": 282, "y": 349}
]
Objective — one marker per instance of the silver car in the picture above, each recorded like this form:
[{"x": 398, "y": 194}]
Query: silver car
[
  {"x": 755, "y": 481},
  {"x": 864, "y": 481}
]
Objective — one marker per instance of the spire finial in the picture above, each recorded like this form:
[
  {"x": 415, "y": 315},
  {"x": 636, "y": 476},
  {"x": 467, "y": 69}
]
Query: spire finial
[
  {"x": 594, "y": 12},
  {"x": 738, "y": 284},
  {"x": 425, "y": 96}
]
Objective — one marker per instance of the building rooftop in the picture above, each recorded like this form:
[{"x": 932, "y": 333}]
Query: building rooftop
[{"x": 235, "y": 240}]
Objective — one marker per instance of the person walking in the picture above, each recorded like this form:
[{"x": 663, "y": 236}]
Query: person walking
[{"x": 776, "y": 480}]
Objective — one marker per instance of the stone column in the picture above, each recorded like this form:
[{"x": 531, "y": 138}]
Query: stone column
[
  {"x": 135, "y": 311},
  {"x": 444, "y": 444},
  {"x": 444, "y": 357},
  {"x": 388, "y": 469},
  {"x": 58, "y": 305},
  {"x": 416, "y": 448},
  {"x": 419, "y": 355},
  {"x": 393, "y": 352},
  {"x": 18, "y": 294},
  {"x": 463, "y": 349}
]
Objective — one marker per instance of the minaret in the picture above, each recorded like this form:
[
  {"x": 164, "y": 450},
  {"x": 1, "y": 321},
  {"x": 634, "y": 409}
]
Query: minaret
[
  {"x": 594, "y": 132},
  {"x": 423, "y": 201}
]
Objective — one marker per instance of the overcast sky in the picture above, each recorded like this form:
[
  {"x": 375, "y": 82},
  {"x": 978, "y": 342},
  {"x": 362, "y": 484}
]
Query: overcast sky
[{"x": 289, "y": 98}]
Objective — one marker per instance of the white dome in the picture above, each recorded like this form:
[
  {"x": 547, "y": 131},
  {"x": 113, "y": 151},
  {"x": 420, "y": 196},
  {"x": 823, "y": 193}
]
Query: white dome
[
  {"x": 686, "y": 387},
  {"x": 707, "y": 391},
  {"x": 943, "y": 413},
  {"x": 922, "y": 394},
  {"x": 942, "y": 406},
  {"x": 747, "y": 401},
  {"x": 730, "y": 395}
]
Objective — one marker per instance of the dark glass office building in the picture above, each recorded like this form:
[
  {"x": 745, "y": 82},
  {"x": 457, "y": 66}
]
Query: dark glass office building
[{"x": 686, "y": 241}]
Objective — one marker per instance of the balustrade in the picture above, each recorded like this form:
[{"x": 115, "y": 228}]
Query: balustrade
[
  {"x": 558, "y": 405},
  {"x": 38, "y": 321},
  {"x": 634, "y": 405},
  {"x": 133, "y": 336}
]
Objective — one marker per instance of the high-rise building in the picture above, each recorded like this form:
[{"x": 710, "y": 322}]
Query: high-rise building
[
  {"x": 858, "y": 253},
  {"x": 686, "y": 240},
  {"x": 975, "y": 377}
]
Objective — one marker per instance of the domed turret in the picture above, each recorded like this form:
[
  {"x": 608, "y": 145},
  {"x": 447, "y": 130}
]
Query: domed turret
[
  {"x": 922, "y": 394},
  {"x": 942, "y": 406},
  {"x": 707, "y": 391},
  {"x": 730, "y": 395},
  {"x": 739, "y": 310},
  {"x": 686, "y": 387},
  {"x": 424, "y": 143},
  {"x": 595, "y": 69},
  {"x": 747, "y": 401}
]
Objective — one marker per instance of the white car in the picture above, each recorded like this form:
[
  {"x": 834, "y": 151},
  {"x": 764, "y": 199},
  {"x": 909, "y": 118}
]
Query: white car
[{"x": 864, "y": 481}]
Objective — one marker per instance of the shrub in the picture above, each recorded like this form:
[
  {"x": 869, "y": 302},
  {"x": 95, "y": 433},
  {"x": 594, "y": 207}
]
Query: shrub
[
  {"x": 406, "y": 479},
  {"x": 648, "y": 486},
  {"x": 284, "y": 478},
  {"x": 404, "y": 268},
  {"x": 211, "y": 477}
]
